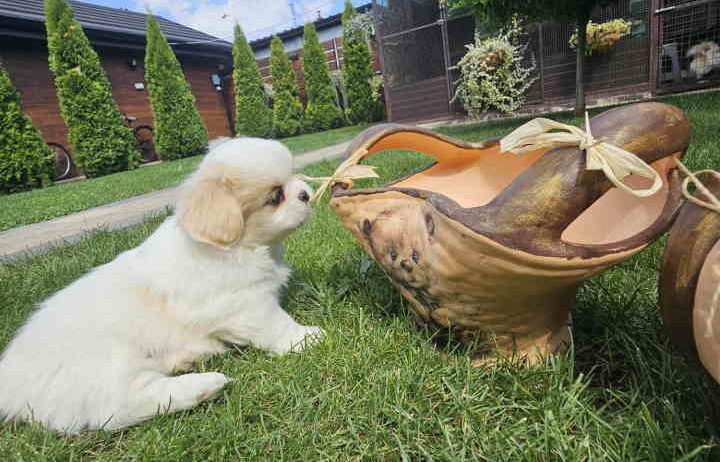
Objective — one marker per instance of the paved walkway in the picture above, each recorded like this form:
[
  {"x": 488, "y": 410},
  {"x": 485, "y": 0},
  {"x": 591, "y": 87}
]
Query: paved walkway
[{"x": 39, "y": 237}]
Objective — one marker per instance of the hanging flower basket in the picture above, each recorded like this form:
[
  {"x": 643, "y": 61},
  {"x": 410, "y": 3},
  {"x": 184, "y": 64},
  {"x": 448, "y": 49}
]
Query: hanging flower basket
[{"x": 601, "y": 37}]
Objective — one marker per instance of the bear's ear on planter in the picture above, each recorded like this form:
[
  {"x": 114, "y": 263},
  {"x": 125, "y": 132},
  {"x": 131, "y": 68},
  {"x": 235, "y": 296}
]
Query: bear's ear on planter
[
  {"x": 366, "y": 227},
  {"x": 429, "y": 224}
]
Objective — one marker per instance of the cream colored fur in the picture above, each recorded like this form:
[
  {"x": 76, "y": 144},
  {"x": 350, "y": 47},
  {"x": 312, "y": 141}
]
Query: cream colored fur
[{"x": 114, "y": 348}]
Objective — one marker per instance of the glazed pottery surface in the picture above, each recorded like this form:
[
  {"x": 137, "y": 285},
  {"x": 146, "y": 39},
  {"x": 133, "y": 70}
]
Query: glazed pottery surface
[
  {"x": 706, "y": 315},
  {"x": 688, "y": 281},
  {"x": 494, "y": 245}
]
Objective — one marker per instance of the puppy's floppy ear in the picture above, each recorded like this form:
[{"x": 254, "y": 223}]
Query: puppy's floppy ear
[{"x": 209, "y": 211}]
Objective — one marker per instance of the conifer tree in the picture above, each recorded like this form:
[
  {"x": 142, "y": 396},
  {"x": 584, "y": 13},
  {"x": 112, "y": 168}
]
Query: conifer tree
[
  {"x": 101, "y": 143},
  {"x": 253, "y": 116},
  {"x": 357, "y": 71},
  {"x": 25, "y": 160},
  {"x": 322, "y": 111},
  {"x": 287, "y": 109},
  {"x": 179, "y": 129}
]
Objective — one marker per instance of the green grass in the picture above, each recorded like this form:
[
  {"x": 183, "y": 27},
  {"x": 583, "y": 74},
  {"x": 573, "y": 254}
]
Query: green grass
[
  {"x": 703, "y": 110},
  {"x": 56, "y": 201},
  {"x": 376, "y": 389},
  {"x": 304, "y": 143}
]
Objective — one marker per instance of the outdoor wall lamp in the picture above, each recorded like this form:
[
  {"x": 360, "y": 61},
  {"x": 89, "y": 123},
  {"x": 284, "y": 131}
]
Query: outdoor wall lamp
[
  {"x": 132, "y": 63},
  {"x": 216, "y": 81}
]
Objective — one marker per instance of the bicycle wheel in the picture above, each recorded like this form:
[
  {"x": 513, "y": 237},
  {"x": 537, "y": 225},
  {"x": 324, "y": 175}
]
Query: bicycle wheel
[
  {"x": 63, "y": 161},
  {"x": 145, "y": 143}
]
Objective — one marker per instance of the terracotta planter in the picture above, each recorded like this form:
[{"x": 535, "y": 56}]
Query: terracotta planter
[
  {"x": 689, "y": 282},
  {"x": 494, "y": 245}
]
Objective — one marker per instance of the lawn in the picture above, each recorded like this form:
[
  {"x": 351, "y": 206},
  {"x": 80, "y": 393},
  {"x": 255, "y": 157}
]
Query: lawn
[
  {"x": 56, "y": 201},
  {"x": 376, "y": 388}
]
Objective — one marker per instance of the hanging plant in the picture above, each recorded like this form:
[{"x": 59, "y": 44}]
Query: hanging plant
[
  {"x": 493, "y": 73},
  {"x": 363, "y": 24},
  {"x": 603, "y": 36}
]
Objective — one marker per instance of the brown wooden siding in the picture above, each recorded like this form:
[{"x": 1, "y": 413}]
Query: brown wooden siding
[
  {"x": 333, "y": 58},
  {"x": 132, "y": 102},
  {"x": 423, "y": 100},
  {"x": 209, "y": 101},
  {"x": 27, "y": 64}
]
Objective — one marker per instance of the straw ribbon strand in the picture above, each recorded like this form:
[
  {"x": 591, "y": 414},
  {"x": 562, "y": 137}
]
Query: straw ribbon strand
[
  {"x": 614, "y": 161},
  {"x": 346, "y": 172},
  {"x": 713, "y": 203}
]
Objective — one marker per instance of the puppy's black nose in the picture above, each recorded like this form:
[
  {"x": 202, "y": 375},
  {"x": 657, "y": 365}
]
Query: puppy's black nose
[
  {"x": 304, "y": 196},
  {"x": 406, "y": 265}
]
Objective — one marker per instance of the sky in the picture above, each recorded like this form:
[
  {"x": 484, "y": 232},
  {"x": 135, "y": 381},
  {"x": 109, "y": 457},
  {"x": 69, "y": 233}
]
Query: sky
[{"x": 258, "y": 18}]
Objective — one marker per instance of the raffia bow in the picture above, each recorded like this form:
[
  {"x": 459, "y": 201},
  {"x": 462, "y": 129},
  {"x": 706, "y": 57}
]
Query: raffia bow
[
  {"x": 712, "y": 203},
  {"x": 615, "y": 162},
  {"x": 346, "y": 172}
]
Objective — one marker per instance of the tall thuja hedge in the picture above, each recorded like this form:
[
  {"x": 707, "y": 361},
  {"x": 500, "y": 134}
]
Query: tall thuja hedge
[
  {"x": 357, "y": 71},
  {"x": 101, "y": 143},
  {"x": 179, "y": 129},
  {"x": 321, "y": 112},
  {"x": 287, "y": 109},
  {"x": 253, "y": 116},
  {"x": 25, "y": 160}
]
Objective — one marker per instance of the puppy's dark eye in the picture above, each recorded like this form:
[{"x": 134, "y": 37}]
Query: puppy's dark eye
[
  {"x": 276, "y": 196},
  {"x": 415, "y": 256}
]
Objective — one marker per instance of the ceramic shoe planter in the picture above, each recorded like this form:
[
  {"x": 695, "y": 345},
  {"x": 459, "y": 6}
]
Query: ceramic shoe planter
[
  {"x": 690, "y": 279},
  {"x": 494, "y": 245}
]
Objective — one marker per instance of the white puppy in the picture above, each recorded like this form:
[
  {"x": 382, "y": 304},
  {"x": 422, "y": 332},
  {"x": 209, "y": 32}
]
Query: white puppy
[{"x": 103, "y": 352}]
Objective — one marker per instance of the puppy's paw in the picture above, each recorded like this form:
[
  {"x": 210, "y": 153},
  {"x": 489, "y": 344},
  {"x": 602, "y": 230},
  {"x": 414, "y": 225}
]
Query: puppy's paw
[
  {"x": 301, "y": 338},
  {"x": 209, "y": 384}
]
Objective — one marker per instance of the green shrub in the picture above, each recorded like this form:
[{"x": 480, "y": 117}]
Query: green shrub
[
  {"x": 357, "y": 71},
  {"x": 493, "y": 73},
  {"x": 253, "y": 116},
  {"x": 25, "y": 160},
  {"x": 179, "y": 129},
  {"x": 287, "y": 109},
  {"x": 322, "y": 111},
  {"x": 101, "y": 142}
]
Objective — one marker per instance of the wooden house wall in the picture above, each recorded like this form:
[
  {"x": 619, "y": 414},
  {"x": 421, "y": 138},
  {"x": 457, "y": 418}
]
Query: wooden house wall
[
  {"x": 422, "y": 100},
  {"x": 132, "y": 102},
  {"x": 333, "y": 58},
  {"x": 208, "y": 100},
  {"x": 26, "y": 61},
  {"x": 27, "y": 64}
]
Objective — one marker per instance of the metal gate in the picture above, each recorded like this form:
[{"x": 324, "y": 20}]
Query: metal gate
[
  {"x": 416, "y": 56},
  {"x": 687, "y": 49}
]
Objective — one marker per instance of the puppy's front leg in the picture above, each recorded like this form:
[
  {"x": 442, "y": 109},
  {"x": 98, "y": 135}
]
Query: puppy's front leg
[{"x": 270, "y": 328}]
